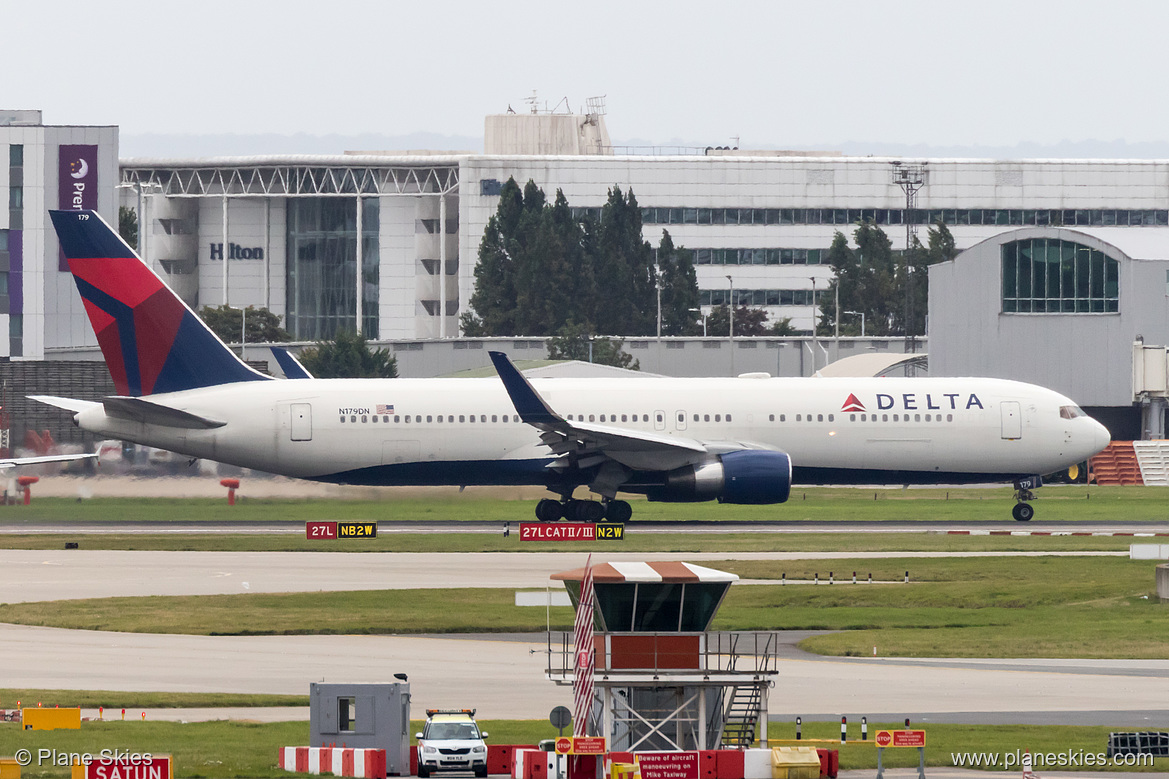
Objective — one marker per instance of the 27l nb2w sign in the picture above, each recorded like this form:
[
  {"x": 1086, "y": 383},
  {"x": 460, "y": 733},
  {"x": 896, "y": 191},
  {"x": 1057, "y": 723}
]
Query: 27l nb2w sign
[{"x": 328, "y": 531}]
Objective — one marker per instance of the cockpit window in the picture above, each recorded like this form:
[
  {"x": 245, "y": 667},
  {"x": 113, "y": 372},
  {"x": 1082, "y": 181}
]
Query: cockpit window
[{"x": 1071, "y": 412}]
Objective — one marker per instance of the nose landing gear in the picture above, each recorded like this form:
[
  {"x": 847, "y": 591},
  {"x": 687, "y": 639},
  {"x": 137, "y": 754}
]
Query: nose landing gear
[
  {"x": 1024, "y": 491},
  {"x": 1023, "y": 512}
]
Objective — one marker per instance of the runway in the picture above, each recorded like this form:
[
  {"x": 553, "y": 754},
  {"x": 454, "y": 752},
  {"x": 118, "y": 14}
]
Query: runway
[
  {"x": 504, "y": 676},
  {"x": 38, "y": 575}
]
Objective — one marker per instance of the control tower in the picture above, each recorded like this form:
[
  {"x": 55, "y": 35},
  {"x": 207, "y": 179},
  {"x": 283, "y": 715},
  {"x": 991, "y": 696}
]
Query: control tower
[{"x": 663, "y": 680}]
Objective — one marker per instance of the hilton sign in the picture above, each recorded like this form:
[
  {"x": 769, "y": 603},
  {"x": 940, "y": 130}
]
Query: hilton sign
[{"x": 237, "y": 252}]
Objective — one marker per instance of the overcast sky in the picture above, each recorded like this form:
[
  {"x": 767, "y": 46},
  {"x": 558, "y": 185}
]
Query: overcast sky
[{"x": 776, "y": 74}]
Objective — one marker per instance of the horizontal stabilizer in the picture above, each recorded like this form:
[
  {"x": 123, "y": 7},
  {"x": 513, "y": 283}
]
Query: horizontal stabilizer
[
  {"x": 13, "y": 462},
  {"x": 69, "y": 404},
  {"x": 150, "y": 413}
]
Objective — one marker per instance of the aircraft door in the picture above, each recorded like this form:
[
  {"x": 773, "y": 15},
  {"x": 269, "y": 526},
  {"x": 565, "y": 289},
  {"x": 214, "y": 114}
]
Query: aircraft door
[
  {"x": 1012, "y": 420},
  {"x": 659, "y": 420},
  {"x": 301, "y": 427},
  {"x": 680, "y": 419}
]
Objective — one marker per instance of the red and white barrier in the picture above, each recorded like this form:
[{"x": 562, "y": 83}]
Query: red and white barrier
[
  {"x": 364, "y": 763},
  {"x": 1092, "y": 534}
]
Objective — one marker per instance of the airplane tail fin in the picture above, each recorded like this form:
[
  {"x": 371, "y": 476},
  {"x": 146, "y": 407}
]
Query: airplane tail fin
[{"x": 152, "y": 342}]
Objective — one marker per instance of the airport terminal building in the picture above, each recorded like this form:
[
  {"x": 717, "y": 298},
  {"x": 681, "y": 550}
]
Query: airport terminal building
[{"x": 292, "y": 223}]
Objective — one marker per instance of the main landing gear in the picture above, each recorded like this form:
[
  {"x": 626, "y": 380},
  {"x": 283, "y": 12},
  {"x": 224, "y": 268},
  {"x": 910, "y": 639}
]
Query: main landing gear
[
  {"x": 1023, "y": 511},
  {"x": 549, "y": 510}
]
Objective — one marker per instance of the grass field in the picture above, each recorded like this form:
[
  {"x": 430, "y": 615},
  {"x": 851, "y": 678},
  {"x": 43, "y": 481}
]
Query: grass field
[
  {"x": 633, "y": 542},
  {"x": 1057, "y": 502},
  {"x": 1146, "y": 506},
  {"x": 119, "y": 699},
  {"x": 1103, "y": 607},
  {"x": 239, "y": 750}
]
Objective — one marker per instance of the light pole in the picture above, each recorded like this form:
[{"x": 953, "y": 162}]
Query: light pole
[
  {"x": 861, "y": 314},
  {"x": 658, "y": 284},
  {"x": 139, "y": 212},
  {"x": 731, "y": 282},
  {"x": 815, "y": 341},
  {"x": 703, "y": 315}
]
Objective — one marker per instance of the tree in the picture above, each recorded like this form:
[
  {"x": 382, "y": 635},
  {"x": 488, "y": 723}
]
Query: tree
[
  {"x": 263, "y": 326},
  {"x": 494, "y": 298},
  {"x": 128, "y": 226},
  {"x": 869, "y": 279},
  {"x": 543, "y": 300},
  {"x": 891, "y": 291},
  {"x": 577, "y": 342},
  {"x": 542, "y": 269},
  {"x": 782, "y": 327},
  {"x": 680, "y": 314},
  {"x": 577, "y": 240},
  {"x": 348, "y": 356},
  {"x": 748, "y": 321}
]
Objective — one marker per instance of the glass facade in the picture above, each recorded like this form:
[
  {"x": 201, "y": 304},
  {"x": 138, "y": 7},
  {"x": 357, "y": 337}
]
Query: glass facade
[
  {"x": 1052, "y": 276},
  {"x": 322, "y": 266},
  {"x": 760, "y": 256},
  {"x": 13, "y": 254},
  {"x": 759, "y": 297},
  {"x": 1082, "y": 217}
]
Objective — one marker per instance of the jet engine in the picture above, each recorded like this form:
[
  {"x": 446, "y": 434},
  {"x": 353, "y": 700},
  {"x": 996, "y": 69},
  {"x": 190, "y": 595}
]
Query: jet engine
[{"x": 748, "y": 476}]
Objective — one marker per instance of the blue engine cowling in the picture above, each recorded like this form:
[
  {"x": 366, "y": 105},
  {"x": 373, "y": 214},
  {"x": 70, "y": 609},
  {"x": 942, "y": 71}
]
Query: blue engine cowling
[{"x": 749, "y": 476}]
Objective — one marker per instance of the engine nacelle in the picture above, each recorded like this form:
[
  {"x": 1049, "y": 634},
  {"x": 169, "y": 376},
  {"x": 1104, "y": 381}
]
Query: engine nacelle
[{"x": 750, "y": 476}]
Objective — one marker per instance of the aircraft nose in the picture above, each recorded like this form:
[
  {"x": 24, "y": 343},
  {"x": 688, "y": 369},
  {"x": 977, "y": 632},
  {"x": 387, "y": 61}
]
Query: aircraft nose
[{"x": 1100, "y": 437}]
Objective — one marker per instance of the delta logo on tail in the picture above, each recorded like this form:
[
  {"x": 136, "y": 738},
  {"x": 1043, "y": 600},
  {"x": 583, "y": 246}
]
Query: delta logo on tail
[
  {"x": 151, "y": 341},
  {"x": 852, "y": 403}
]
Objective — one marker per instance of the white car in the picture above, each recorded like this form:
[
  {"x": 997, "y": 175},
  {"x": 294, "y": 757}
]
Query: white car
[{"x": 451, "y": 741}]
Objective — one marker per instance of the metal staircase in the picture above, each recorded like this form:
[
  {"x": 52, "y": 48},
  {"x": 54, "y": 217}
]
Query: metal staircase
[
  {"x": 1116, "y": 465},
  {"x": 741, "y": 717},
  {"x": 1153, "y": 457}
]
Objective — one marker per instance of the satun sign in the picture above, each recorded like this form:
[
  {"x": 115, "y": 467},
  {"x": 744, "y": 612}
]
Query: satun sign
[{"x": 131, "y": 767}]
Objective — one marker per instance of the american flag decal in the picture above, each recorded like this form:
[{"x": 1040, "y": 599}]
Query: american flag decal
[{"x": 384, "y": 409}]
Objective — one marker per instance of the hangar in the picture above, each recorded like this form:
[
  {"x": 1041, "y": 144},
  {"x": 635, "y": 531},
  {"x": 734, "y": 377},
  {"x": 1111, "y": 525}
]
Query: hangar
[{"x": 1064, "y": 308}]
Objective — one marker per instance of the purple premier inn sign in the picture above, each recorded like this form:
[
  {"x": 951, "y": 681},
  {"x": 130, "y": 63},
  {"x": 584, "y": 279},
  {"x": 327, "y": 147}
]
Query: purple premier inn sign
[{"x": 76, "y": 182}]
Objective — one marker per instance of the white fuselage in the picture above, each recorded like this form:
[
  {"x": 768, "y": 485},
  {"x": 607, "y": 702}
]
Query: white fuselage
[{"x": 466, "y": 431}]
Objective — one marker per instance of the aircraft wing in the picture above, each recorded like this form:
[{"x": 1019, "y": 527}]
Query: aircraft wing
[
  {"x": 12, "y": 462},
  {"x": 584, "y": 445}
]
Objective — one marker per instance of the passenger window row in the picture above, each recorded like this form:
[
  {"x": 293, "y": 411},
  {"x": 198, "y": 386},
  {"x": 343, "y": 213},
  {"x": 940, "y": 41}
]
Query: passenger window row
[{"x": 430, "y": 418}]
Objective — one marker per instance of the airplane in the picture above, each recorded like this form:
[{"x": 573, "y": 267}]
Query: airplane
[{"x": 742, "y": 440}]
